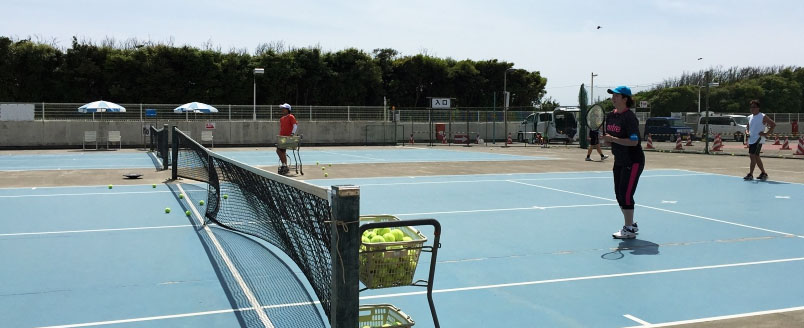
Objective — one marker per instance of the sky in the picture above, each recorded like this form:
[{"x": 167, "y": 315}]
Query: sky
[{"x": 638, "y": 44}]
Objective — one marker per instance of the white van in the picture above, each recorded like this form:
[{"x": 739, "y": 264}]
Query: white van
[
  {"x": 728, "y": 126},
  {"x": 560, "y": 124}
]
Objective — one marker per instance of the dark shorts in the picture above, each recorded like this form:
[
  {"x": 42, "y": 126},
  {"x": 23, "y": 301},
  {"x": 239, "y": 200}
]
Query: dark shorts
[
  {"x": 755, "y": 148},
  {"x": 626, "y": 178},
  {"x": 593, "y": 138}
]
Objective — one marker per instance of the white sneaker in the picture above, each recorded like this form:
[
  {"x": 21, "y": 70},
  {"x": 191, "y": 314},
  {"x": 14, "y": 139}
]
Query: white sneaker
[
  {"x": 624, "y": 233},
  {"x": 635, "y": 228}
]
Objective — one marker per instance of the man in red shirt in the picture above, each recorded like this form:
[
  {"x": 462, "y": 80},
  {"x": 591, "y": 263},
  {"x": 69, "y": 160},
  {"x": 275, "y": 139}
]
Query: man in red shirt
[{"x": 287, "y": 127}]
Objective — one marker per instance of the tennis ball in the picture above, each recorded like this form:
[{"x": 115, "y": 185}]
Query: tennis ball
[
  {"x": 330, "y": 165},
  {"x": 110, "y": 186},
  {"x": 398, "y": 234},
  {"x": 323, "y": 168},
  {"x": 316, "y": 163},
  {"x": 201, "y": 203},
  {"x": 386, "y": 325},
  {"x": 181, "y": 196},
  {"x": 389, "y": 237},
  {"x": 167, "y": 209},
  {"x": 377, "y": 239},
  {"x": 187, "y": 212},
  {"x": 153, "y": 185},
  {"x": 365, "y": 239},
  {"x": 406, "y": 238},
  {"x": 225, "y": 196},
  {"x": 383, "y": 231},
  {"x": 326, "y": 175}
]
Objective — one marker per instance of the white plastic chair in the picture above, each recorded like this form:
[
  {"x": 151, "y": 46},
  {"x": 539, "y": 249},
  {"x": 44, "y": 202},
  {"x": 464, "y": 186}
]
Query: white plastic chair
[
  {"x": 114, "y": 136},
  {"x": 206, "y": 135},
  {"x": 90, "y": 136}
]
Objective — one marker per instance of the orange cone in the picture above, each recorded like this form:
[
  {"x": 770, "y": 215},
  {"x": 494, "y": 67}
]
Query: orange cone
[
  {"x": 785, "y": 145},
  {"x": 509, "y": 141},
  {"x": 776, "y": 143},
  {"x": 678, "y": 144},
  {"x": 411, "y": 139},
  {"x": 800, "y": 150},
  {"x": 650, "y": 143},
  {"x": 689, "y": 140},
  {"x": 718, "y": 146}
]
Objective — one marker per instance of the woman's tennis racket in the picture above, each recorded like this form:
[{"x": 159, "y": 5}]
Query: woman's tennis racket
[{"x": 595, "y": 117}]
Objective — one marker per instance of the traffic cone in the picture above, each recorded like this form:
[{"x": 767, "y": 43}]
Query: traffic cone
[
  {"x": 776, "y": 143},
  {"x": 800, "y": 150},
  {"x": 718, "y": 145},
  {"x": 689, "y": 140},
  {"x": 785, "y": 145},
  {"x": 509, "y": 141},
  {"x": 444, "y": 139},
  {"x": 678, "y": 144},
  {"x": 650, "y": 143},
  {"x": 411, "y": 139}
]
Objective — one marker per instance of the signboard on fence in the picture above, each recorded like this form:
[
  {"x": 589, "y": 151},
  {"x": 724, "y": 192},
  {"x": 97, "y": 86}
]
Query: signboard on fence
[
  {"x": 643, "y": 104},
  {"x": 210, "y": 126},
  {"x": 16, "y": 112},
  {"x": 440, "y": 103}
]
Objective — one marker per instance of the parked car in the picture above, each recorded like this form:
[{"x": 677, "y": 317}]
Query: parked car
[
  {"x": 728, "y": 126},
  {"x": 666, "y": 128},
  {"x": 560, "y": 124}
]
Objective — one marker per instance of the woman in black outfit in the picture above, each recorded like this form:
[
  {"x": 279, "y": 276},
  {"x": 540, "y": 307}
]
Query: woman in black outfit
[{"x": 622, "y": 132}]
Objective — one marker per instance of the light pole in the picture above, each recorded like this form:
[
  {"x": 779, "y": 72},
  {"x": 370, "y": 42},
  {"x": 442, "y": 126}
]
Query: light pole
[
  {"x": 256, "y": 71},
  {"x": 706, "y": 128},
  {"x": 592, "y": 90},
  {"x": 506, "y": 99}
]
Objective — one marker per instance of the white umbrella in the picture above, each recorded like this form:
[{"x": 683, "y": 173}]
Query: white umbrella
[
  {"x": 195, "y": 107},
  {"x": 101, "y": 106}
]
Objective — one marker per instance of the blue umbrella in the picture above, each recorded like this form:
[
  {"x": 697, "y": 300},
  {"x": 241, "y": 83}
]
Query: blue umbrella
[
  {"x": 101, "y": 106},
  {"x": 195, "y": 107}
]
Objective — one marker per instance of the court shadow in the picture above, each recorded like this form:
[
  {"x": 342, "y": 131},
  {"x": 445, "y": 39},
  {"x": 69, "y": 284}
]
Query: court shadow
[{"x": 633, "y": 247}]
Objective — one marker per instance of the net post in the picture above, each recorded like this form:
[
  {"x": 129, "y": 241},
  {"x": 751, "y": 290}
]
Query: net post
[
  {"x": 164, "y": 146},
  {"x": 345, "y": 227},
  {"x": 174, "y": 175}
]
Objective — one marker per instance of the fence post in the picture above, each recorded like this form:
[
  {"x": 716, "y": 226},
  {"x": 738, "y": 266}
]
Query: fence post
[
  {"x": 43, "y": 111},
  {"x": 344, "y": 251},
  {"x": 230, "y": 112},
  {"x": 311, "y": 113},
  {"x": 348, "y": 113}
]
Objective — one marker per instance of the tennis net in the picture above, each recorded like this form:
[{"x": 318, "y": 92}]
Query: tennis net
[
  {"x": 160, "y": 144},
  {"x": 292, "y": 215}
]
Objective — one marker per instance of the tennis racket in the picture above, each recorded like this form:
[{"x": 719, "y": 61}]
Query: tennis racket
[{"x": 595, "y": 117}]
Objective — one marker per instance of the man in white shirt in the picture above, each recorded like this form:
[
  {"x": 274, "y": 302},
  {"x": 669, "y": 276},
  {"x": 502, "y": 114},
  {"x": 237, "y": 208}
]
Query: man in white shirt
[{"x": 756, "y": 137}]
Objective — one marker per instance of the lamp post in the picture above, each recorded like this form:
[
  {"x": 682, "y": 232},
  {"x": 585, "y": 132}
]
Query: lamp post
[
  {"x": 256, "y": 71},
  {"x": 592, "y": 90},
  {"x": 706, "y": 128},
  {"x": 506, "y": 99}
]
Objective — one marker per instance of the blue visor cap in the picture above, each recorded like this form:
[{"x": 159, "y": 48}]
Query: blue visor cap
[{"x": 623, "y": 90}]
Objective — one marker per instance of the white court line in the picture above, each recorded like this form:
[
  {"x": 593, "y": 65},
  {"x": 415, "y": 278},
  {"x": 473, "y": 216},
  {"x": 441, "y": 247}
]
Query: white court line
[
  {"x": 452, "y": 290},
  {"x": 92, "y": 230},
  {"x": 725, "y": 317},
  {"x": 87, "y": 194},
  {"x": 358, "y": 156},
  {"x": 87, "y": 186},
  {"x": 665, "y": 210},
  {"x": 638, "y": 320},
  {"x": 520, "y": 179},
  {"x": 507, "y": 209},
  {"x": 737, "y": 177},
  {"x": 235, "y": 274}
]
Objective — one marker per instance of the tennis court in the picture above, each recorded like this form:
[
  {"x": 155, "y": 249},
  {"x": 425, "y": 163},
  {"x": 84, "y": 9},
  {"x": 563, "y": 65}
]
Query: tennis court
[{"x": 518, "y": 250}]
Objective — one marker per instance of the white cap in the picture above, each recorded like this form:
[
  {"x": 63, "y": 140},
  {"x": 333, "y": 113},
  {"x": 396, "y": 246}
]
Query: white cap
[{"x": 285, "y": 106}]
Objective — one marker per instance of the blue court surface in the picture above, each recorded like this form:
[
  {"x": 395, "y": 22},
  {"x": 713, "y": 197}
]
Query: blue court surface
[
  {"x": 266, "y": 157},
  {"x": 517, "y": 250}
]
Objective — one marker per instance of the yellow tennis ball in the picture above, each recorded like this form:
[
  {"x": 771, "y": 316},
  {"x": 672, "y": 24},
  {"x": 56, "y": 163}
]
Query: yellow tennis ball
[
  {"x": 201, "y": 203},
  {"x": 316, "y": 163},
  {"x": 330, "y": 165},
  {"x": 181, "y": 196},
  {"x": 110, "y": 186},
  {"x": 153, "y": 185},
  {"x": 187, "y": 212},
  {"x": 326, "y": 175},
  {"x": 225, "y": 196},
  {"x": 323, "y": 168},
  {"x": 167, "y": 209}
]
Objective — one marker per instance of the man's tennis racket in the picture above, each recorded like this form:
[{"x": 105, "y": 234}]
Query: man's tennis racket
[{"x": 595, "y": 117}]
